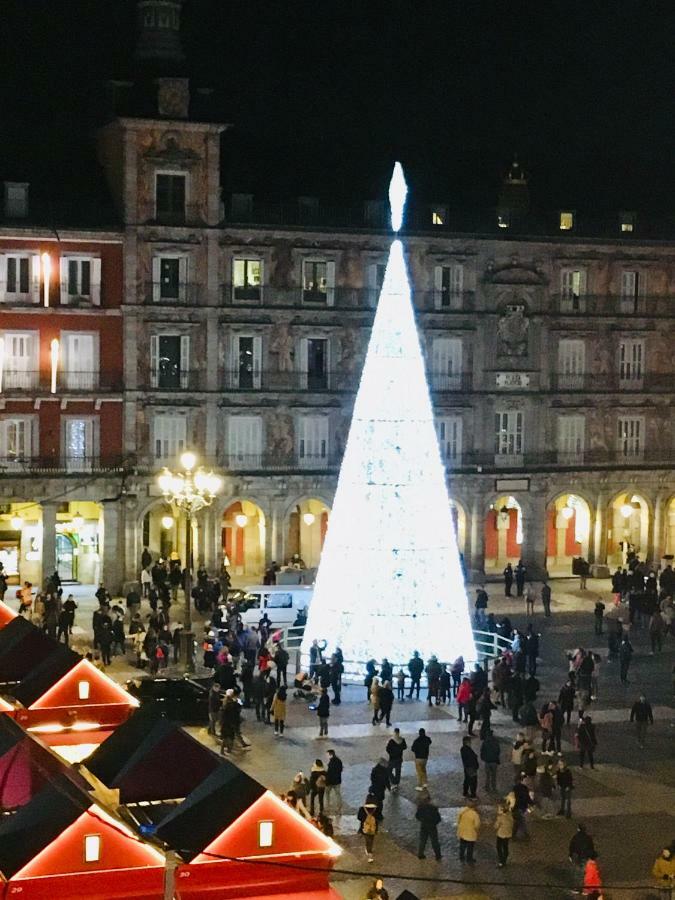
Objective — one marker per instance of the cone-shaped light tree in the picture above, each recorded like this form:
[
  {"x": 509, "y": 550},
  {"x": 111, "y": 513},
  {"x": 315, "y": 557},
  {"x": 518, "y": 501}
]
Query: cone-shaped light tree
[{"x": 390, "y": 580}]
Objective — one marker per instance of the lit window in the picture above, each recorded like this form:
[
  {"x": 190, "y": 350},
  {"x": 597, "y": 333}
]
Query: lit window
[
  {"x": 566, "y": 221},
  {"x": 247, "y": 279},
  {"x": 438, "y": 215},
  {"x": 92, "y": 848},
  {"x": 265, "y": 834},
  {"x": 627, "y": 221},
  {"x": 503, "y": 220},
  {"x": 83, "y": 690}
]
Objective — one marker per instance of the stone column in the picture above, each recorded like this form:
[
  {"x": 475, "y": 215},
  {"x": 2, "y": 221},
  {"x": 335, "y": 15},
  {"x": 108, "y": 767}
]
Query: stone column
[
  {"x": 475, "y": 565},
  {"x": 600, "y": 531},
  {"x": 656, "y": 543},
  {"x": 207, "y": 538},
  {"x": 112, "y": 562},
  {"x": 48, "y": 540},
  {"x": 132, "y": 553},
  {"x": 533, "y": 550}
]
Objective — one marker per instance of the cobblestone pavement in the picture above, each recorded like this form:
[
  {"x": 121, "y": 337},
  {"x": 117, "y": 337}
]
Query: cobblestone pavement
[{"x": 627, "y": 801}]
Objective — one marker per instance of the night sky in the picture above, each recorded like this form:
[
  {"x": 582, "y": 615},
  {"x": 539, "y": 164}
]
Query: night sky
[{"x": 325, "y": 94}]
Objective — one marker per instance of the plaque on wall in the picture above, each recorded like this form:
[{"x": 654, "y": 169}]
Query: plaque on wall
[
  {"x": 512, "y": 379},
  {"x": 510, "y": 485}
]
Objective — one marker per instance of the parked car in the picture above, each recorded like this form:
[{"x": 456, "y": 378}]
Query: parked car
[{"x": 184, "y": 700}]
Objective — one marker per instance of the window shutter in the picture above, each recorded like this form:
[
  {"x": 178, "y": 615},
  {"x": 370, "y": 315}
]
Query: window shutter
[
  {"x": 156, "y": 278},
  {"x": 372, "y": 285},
  {"x": 3, "y": 275},
  {"x": 330, "y": 283},
  {"x": 182, "y": 278},
  {"x": 185, "y": 361},
  {"x": 304, "y": 361},
  {"x": 96, "y": 281},
  {"x": 63, "y": 271},
  {"x": 582, "y": 283},
  {"x": 628, "y": 284},
  {"x": 154, "y": 362},
  {"x": 257, "y": 361},
  {"x": 642, "y": 284},
  {"x": 233, "y": 363},
  {"x": 35, "y": 276},
  {"x": 457, "y": 283},
  {"x": 438, "y": 286}
]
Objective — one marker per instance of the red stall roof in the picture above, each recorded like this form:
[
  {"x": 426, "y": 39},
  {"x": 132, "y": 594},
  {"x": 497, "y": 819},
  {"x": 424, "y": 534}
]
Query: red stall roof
[{"x": 6, "y": 614}]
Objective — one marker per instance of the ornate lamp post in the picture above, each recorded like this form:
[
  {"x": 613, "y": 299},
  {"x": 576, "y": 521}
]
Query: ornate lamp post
[{"x": 189, "y": 490}]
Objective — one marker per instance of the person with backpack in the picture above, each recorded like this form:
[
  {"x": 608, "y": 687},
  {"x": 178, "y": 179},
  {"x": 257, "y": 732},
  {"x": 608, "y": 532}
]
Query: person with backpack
[
  {"x": 429, "y": 818},
  {"x": 368, "y": 824},
  {"x": 317, "y": 786}
]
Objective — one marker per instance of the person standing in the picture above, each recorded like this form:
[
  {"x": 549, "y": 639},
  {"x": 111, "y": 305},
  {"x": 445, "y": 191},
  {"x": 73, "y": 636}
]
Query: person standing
[
  {"x": 598, "y": 615},
  {"x": 519, "y": 574},
  {"x": 546, "y": 599},
  {"x": 490, "y": 753},
  {"x": 529, "y": 602},
  {"x": 420, "y": 749},
  {"x": 517, "y": 750},
  {"x": 522, "y": 801},
  {"x": 565, "y": 782},
  {"x": 395, "y": 748},
  {"x": 642, "y": 715},
  {"x": 368, "y": 824},
  {"x": 470, "y": 765},
  {"x": 566, "y": 700},
  {"x": 279, "y": 710},
  {"x": 468, "y": 827},
  {"x": 317, "y": 786},
  {"x": 531, "y": 649},
  {"x": 429, "y": 818},
  {"x": 581, "y": 847},
  {"x": 336, "y": 670},
  {"x": 334, "y": 783},
  {"x": 463, "y": 700},
  {"x": 586, "y": 741},
  {"x": 281, "y": 662},
  {"x": 400, "y": 686},
  {"x": 323, "y": 712},
  {"x": 625, "y": 655},
  {"x": 508, "y": 580},
  {"x": 657, "y": 629},
  {"x": 504, "y": 830},
  {"x": 386, "y": 697},
  {"x": 415, "y": 667},
  {"x": 214, "y": 708}
]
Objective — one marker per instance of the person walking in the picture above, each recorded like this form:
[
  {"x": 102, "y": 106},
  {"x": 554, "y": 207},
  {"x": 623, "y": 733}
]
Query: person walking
[
  {"x": 279, "y": 710},
  {"x": 566, "y": 700},
  {"x": 323, "y": 713},
  {"x": 386, "y": 697},
  {"x": 522, "y": 801},
  {"x": 598, "y": 615},
  {"x": 463, "y": 700},
  {"x": 429, "y": 818},
  {"x": 415, "y": 667},
  {"x": 395, "y": 748},
  {"x": 468, "y": 828},
  {"x": 546, "y": 599},
  {"x": 490, "y": 753},
  {"x": 508, "y": 580},
  {"x": 565, "y": 782},
  {"x": 517, "y": 750},
  {"x": 380, "y": 782},
  {"x": 504, "y": 831},
  {"x": 334, "y": 783},
  {"x": 642, "y": 715},
  {"x": 470, "y": 765},
  {"x": 317, "y": 786},
  {"x": 368, "y": 824},
  {"x": 586, "y": 741},
  {"x": 625, "y": 656},
  {"x": 420, "y": 749},
  {"x": 581, "y": 847}
]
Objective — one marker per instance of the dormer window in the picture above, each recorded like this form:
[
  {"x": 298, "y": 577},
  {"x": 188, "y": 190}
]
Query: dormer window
[
  {"x": 92, "y": 848},
  {"x": 627, "y": 221},
  {"x": 439, "y": 215},
  {"x": 566, "y": 220},
  {"x": 503, "y": 220},
  {"x": 16, "y": 200},
  {"x": 265, "y": 834}
]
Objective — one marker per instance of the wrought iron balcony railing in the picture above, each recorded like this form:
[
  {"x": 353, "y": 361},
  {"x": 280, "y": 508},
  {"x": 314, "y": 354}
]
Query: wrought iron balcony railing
[
  {"x": 60, "y": 465},
  {"x": 16, "y": 381}
]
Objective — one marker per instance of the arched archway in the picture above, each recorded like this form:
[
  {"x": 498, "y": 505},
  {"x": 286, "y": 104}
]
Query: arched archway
[
  {"x": 568, "y": 531},
  {"x": 627, "y": 528},
  {"x": 21, "y": 542},
  {"x": 307, "y": 526},
  {"x": 243, "y": 541},
  {"x": 503, "y": 534},
  {"x": 163, "y": 532},
  {"x": 79, "y": 541}
]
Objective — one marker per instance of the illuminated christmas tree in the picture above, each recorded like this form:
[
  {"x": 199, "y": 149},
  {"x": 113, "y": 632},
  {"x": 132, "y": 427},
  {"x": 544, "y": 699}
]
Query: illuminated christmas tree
[{"x": 390, "y": 580}]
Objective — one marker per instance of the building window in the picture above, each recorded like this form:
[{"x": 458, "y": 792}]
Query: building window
[
  {"x": 631, "y": 366},
  {"x": 503, "y": 220},
  {"x": 265, "y": 834},
  {"x": 247, "y": 277},
  {"x": 571, "y": 439},
  {"x": 439, "y": 215},
  {"x": 566, "y": 220},
  {"x": 633, "y": 286},
  {"x": 449, "y": 431},
  {"x": 244, "y": 441},
  {"x": 79, "y": 360},
  {"x": 446, "y": 364},
  {"x": 20, "y": 277},
  {"x": 169, "y": 278},
  {"x": 631, "y": 437},
  {"x": 627, "y": 221},
  {"x": 448, "y": 286},
  {"x": 20, "y": 360},
  {"x": 376, "y": 272},
  {"x": 169, "y": 436},
  {"x": 16, "y": 199},
  {"x": 312, "y": 440},
  {"x": 83, "y": 690},
  {"x": 571, "y": 363},
  {"x": 572, "y": 290},
  {"x": 170, "y": 194},
  {"x": 246, "y": 355},
  {"x": 314, "y": 364},
  {"x": 508, "y": 433},
  {"x": 79, "y": 442},
  {"x": 92, "y": 848},
  {"x": 170, "y": 361},
  {"x": 80, "y": 279},
  {"x": 16, "y": 440},
  {"x": 318, "y": 281}
]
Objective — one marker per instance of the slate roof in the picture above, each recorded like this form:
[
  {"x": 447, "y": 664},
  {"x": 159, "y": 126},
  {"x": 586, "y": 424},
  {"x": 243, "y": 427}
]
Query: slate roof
[{"x": 44, "y": 675}]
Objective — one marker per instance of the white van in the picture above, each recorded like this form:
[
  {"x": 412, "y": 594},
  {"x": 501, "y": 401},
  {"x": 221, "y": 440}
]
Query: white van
[{"x": 282, "y": 603}]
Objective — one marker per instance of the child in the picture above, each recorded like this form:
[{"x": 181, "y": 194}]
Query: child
[{"x": 400, "y": 685}]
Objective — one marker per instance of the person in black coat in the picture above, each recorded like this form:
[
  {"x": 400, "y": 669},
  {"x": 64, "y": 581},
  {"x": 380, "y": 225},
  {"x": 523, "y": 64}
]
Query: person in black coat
[
  {"x": 508, "y": 580},
  {"x": 323, "y": 712},
  {"x": 386, "y": 699},
  {"x": 415, "y": 667},
  {"x": 380, "y": 780},
  {"x": 470, "y": 765},
  {"x": 429, "y": 817}
]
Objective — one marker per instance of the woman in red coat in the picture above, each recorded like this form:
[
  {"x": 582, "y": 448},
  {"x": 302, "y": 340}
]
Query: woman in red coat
[{"x": 592, "y": 880}]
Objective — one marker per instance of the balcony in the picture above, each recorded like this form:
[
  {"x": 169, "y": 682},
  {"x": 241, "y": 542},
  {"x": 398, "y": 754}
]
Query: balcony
[
  {"x": 160, "y": 294},
  {"x": 611, "y": 305},
  {"x": 650, "y": 382},
  {"x": 190, "y": 215},
  {"x": 450, "y": 383},
  {"x": 336, "y": 298},
  {"x": 273, "y": 462},
  {"x": 66, "y": 382},
  {"x": 268, "y": 380},
  {"x": 61, "y": 465},
  {"x": 83, "y": 300},
  {"x": 176, "y": 380}
]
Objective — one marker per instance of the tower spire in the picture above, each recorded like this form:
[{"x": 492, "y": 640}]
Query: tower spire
[{"x": 158, "y": 37}]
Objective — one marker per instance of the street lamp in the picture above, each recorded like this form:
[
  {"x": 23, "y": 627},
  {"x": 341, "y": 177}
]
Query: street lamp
[{"x": 189, "y": 491}]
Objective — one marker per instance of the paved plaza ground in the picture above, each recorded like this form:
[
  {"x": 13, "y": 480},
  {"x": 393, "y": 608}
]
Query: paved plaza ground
[{"x": 627, "y": 802}]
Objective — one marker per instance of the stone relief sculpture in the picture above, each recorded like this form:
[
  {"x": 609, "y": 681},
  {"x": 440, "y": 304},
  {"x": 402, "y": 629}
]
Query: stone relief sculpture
[
  {"x": 603, "y": 359},
  {"x": 282, "y": 270},
  {"x": 600, "y": 432},
  {"x": 512, "y": 331},
  {"x": 280, "y": 436},
  {"x": 281, "y": 346},
  {"x": 350, "y": 350}
]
